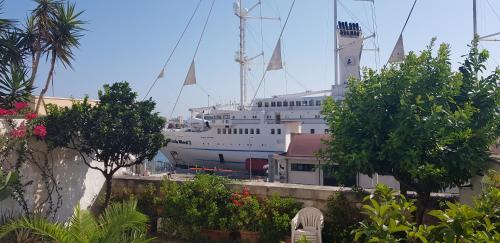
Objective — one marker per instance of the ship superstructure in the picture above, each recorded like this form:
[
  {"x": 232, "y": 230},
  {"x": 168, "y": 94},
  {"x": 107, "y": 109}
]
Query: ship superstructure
[{"x": 228, "y": 136}]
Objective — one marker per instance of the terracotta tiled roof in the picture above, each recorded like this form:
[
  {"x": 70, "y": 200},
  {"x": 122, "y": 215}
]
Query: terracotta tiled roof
[{"x": 306, "y": 145}]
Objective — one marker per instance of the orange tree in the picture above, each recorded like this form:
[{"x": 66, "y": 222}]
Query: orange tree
[
  {"x": 117, "y": 132},
  {"x": 423, "y": 123}
]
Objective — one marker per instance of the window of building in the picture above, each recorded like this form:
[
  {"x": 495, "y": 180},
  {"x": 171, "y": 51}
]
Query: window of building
[
  {"x": 229, "y": 131},
  {"x": 292, "y": 103},
  {"x": 251, "y": 131},
  {"x": 221, "y": 158},
  {"x": 218, "y": 130},
  {"x": 273, "y": 103},
  {"x": 259, "y": 104},
  {"x": 278, "y": 104},
  {"x": 224, "y": 131},
  {"x": 318, "y": 103},
  {"x": 298, "y": 103},
  {"x": 279, "y": 130},
  {"x": 240, "y": 131},
  {"x": 235, "y": 131},
  {"x": 272, "y": 130},
  {"x": 285, "y": 103},
  {"x": 317, "y": 116},
  {"x": 246, "y": 130},
  {"x": 257, "y": 131},
  {"x": 303, "y": 167},
  {"x": 312, "y": 131},
  {"x": 311, "y": 102},
  {"x": 304, "y": 102},
  {"x": 266, "y": 104}
]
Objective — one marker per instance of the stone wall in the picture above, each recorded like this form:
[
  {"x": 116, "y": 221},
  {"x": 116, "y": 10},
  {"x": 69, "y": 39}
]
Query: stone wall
[{"x": 310, "y": 195}]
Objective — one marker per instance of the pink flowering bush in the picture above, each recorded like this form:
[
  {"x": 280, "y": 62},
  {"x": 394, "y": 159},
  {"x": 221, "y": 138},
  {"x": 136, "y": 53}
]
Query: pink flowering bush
[{"x": 31, "y": 126}]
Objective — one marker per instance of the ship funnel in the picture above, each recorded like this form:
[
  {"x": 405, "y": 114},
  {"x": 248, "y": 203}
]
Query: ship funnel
[{"x": 350, "y": 39}]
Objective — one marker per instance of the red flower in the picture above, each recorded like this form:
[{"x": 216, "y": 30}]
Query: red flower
[
  {"x": 30, "y": 116},
  {"x": 235, "y": 202},
  {"x": 19, "y": 132},
  {"x": 246, "y": 193},
  {"x": 20, "y": 105},
  {"x": 5, "y": 112},
  {"x": 40, "y": 131}
]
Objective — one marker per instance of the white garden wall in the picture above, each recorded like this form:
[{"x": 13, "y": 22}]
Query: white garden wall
[{"x": 79, "y": 183}]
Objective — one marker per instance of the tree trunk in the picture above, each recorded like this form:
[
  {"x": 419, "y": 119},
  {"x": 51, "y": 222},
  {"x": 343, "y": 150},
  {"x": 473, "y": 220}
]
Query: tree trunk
[
  {"x": 47, "y": 82},
  {"x": 423, "y": 199},
  {"x": 34, "y": 66},
  {"x": 108, "y": 192},
  {"x": 403, "y": 189}
]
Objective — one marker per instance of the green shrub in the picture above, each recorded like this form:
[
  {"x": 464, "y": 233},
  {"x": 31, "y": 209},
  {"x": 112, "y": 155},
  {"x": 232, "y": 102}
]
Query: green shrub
[
  {"x": 390, "y": 220},
  {"x": 195, "y": 205},
  {"x": 341, "y": 217},
  {"x": 245, "y": 211},
  {"x": 277, "y": 212}
]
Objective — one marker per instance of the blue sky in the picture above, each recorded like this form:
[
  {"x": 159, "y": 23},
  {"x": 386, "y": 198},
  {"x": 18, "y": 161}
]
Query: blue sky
[{"x": 130, "y": 40}]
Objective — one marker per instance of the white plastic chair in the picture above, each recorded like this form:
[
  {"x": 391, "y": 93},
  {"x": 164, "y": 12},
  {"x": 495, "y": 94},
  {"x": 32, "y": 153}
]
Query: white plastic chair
[{"x": 311, "y": 220}]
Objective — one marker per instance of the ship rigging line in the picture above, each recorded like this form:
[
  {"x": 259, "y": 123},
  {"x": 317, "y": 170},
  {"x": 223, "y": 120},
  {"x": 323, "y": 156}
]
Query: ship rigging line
[
  {"x": 281, "y": 34},
  {"x": 408, "y": 18},
  {"x": 175, "y": 48},
  {"x": 196, "y": 52}
]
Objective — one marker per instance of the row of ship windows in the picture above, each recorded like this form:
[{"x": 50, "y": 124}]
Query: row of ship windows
[
  {"x": 289, "y": 103},
  {"x": 245, "y": 131}
]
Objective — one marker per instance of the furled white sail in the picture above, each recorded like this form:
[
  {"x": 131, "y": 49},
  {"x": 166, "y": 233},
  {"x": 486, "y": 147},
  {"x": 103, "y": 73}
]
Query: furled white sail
[
  {"x": 162, "y": 73},
  {"x": 276, "y": 63},
  {"x": 191, "y": 76},
  {"x": 398, "y": 54}
]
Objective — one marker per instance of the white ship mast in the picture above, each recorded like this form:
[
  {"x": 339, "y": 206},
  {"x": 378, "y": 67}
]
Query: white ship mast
[
  {"x": 241, "y": 58},
  {"x": 474, "y": 17}
]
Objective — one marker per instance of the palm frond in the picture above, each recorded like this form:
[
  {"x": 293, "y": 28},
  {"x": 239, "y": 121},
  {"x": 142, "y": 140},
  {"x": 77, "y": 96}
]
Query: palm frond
[
  {"x": 14, "y": 86},
  {"x": 39, "y": 226},
  {"x": 122, "y": 222},
  {"x": 5, "y": 23},
  {"x": 82, "y": 225},
  {"x": 66, "y": 33}
]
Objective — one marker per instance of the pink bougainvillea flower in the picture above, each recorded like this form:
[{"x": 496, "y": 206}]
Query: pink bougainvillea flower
[
  {"x": 20, "y": 105},
  {"x": 30, "y": 116},
  {"x": 18, "y": 132},
  {"x": 5, "y": 112},
  {"x": 40, "y": 131},
  {"x": 246, "y": 192}
]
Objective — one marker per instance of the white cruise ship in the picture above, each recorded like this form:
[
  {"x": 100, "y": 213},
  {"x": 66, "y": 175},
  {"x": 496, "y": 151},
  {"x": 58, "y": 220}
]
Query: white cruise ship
[{"x": 231, "y": 136}]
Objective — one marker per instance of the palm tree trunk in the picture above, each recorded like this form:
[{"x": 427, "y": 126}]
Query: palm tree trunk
[
  {"x": 47, "y": 82},
  {"x": 34, "y": 66}
]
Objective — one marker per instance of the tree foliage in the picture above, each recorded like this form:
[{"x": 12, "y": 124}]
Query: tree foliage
[
  {"x": 117, "y": 132},
  {"x": 390, "y": 219},
  {"x": 423, "y": 123}
]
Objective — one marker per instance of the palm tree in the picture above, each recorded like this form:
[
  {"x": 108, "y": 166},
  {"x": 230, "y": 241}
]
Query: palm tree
[
  {"x": 120, "y": 222},
  {"x": 37, "y": 31},
  {"x": 64, "y": 35},
  {"x": 14, "y": 86}
]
